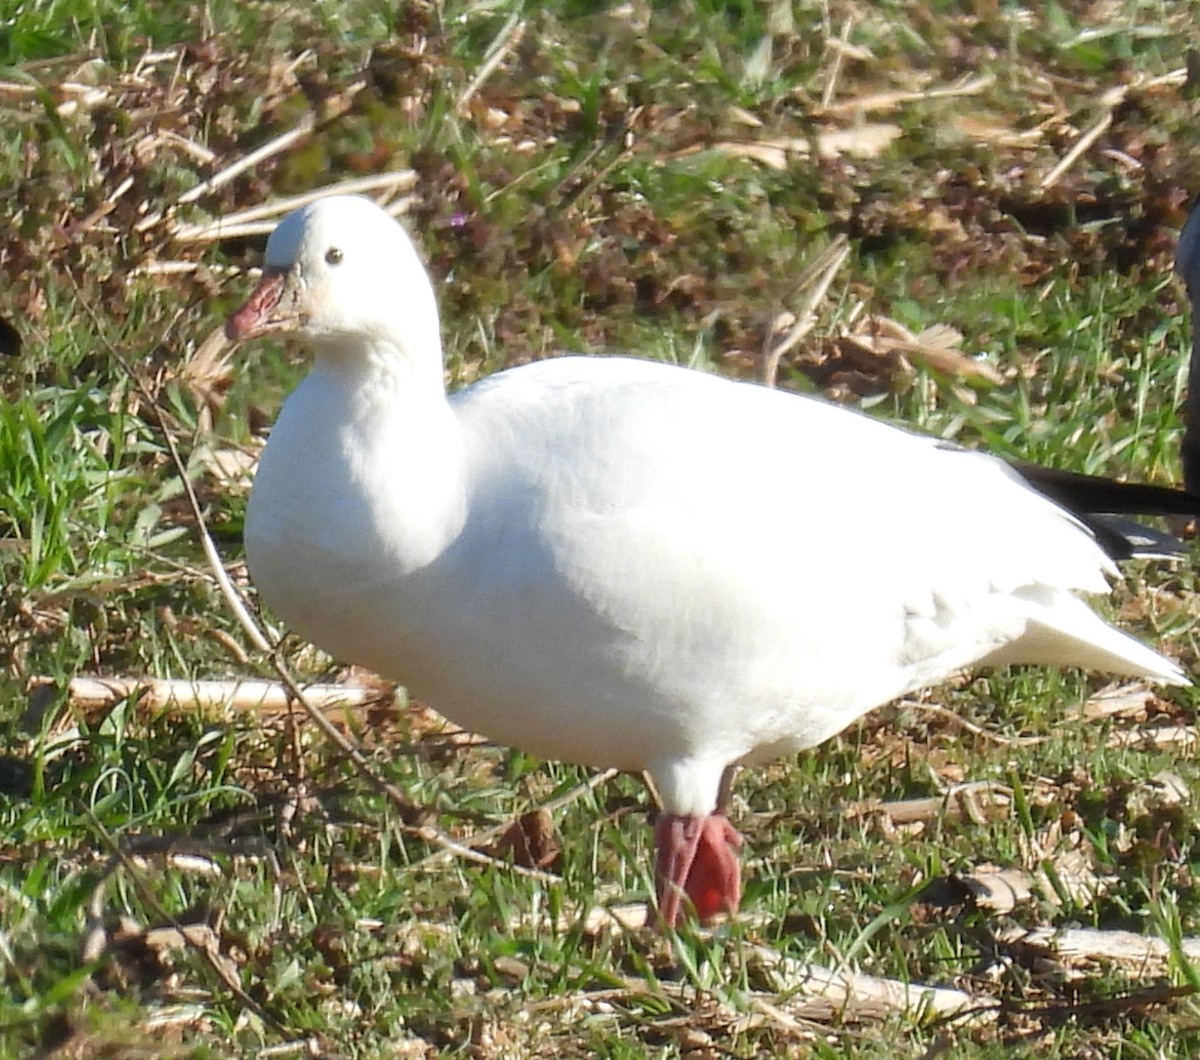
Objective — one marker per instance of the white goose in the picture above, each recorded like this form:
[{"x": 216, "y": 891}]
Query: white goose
[{"x": 623, "y": 563}]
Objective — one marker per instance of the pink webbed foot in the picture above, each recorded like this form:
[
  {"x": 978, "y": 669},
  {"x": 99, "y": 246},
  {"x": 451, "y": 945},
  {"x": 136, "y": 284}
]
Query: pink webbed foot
[{"x": 696, "y": 857}]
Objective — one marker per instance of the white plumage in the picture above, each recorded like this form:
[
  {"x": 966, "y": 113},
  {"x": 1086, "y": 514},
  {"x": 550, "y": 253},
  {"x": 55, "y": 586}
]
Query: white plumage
[{"x": 623, "y": 563}]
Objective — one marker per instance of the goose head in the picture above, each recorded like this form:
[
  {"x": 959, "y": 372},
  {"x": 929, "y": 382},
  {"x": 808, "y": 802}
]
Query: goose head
[{"x": 344, "y": 274}]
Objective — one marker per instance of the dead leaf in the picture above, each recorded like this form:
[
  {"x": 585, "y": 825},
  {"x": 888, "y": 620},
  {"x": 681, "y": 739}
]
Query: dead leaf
[
  {"x": 936, "y": 347},
  {"x": 207, "y": 374},
  {"x": 1163, "y": 791},
  {"x": 230, "y": 468},
  {"x": 1067, "y": 864},
  {"x": 530, "y": 841},
  {"x": 997, "y": 889},
  {"x": 1123, "y": 701}
]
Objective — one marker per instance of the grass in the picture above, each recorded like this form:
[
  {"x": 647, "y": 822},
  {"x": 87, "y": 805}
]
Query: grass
[{"x": 594, "y": 192}]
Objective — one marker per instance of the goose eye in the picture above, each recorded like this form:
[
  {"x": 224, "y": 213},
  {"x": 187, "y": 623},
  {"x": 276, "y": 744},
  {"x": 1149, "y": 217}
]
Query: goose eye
[{"x": 333, "y": 256}]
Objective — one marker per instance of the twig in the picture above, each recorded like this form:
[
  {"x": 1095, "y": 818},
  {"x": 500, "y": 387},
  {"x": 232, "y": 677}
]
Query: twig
[
  {"x": 272, "y": 147},
  {"x": 972, "y": 728},
  {"x": 198, "y": 152},
  {"x": 261, "y": 218},
  {"x": 1178, "y": 76},
  {"x": 161, "y": 693},
  {"x": 175, "y": 268},
  {"x": 1080, "y": 146},
  {"x": 831, "y": 84},
  {"x": 957, "y": 799},
  {"x": 814, "y": 991},
  {"x": 890, "y": 100},
  {"x": 803, "y": 1029},
  {"x": 820, "y": 274},
  {"x": 1076, "y": 945},
  {"x": 1177, "y": 738},
  {"x": 151, "y": 58},
  {"x": 507, "y": 39}
]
